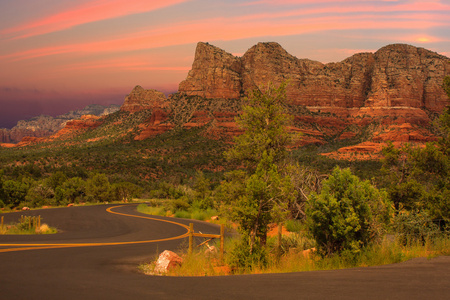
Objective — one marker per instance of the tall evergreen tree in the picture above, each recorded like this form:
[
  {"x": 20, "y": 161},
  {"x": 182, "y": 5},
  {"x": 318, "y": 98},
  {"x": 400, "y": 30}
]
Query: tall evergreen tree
[{"x": 261, "y": 149}]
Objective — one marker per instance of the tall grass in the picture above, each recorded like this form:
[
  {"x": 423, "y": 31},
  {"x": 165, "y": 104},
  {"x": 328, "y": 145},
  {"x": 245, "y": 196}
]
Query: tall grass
[
  {"x": 186, "y": 213},
  {"x": 294, "y": 259},
  {"x": 151, "y": 210}
]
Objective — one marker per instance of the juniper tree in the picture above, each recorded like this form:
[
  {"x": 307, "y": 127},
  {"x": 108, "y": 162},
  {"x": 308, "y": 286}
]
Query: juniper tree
[
  {"x": 347, "y": 214},
  {"x": 261, "y": 148}
]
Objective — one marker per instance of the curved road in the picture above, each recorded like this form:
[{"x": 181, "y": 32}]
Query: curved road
[{"x": 99, "y": 248}]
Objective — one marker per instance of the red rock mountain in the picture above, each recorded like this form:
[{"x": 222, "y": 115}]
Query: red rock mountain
[
  {"x": 387, "y": 95},
  {"x": 392, "y": 94},
  {"x": 395, "y": 76}
]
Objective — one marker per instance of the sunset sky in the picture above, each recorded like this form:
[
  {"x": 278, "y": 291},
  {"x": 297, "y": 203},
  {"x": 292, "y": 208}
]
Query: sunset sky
[{"x": 60, "y": 55}]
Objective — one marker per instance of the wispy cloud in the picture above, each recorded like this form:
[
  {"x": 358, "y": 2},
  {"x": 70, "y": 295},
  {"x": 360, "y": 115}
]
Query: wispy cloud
[
  {"x": 359, "y": 7},
  {"x": 233, "y": 29},
  {"x": 92, "y": 11}
]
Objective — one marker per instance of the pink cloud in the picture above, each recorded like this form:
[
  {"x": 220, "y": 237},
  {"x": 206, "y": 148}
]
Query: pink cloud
[
  {"x": 387, "y": 3},
  {"x": 241, "y": 27},
  {"x": 86, "y": 13},
  {"x": 358, "y": 7}
]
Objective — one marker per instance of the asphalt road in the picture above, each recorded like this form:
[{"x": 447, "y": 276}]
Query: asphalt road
[{"x": 101, "y": 251}]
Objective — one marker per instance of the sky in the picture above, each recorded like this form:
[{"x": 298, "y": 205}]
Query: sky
[{"x": 61, "y": 55}]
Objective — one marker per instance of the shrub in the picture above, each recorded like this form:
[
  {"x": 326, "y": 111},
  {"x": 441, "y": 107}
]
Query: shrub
[
  {"x": 178, "y": 204},
  {"x": 151, "y": 210},
  {"x": 242, "y": 257},
  {"x": 347, "y": 214}
]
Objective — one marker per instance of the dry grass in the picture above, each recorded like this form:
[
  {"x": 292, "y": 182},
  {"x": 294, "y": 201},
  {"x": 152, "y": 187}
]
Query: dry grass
[{"x": 301, "y": 260}]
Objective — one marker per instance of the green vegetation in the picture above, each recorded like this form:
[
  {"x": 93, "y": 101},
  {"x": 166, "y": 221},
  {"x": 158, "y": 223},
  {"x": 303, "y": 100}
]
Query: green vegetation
[
  {"x": 27, "y": 225},
  {"x": 265, "y": 192},
  {"x": 417, "y": 179},
  {"x": 347, "y": 215},
  {"x": 298, "y": 257},
  {"x": 171, "y": 207},
  {"x": 398, "y": 210},
  {"x": 342, "y": 209}
]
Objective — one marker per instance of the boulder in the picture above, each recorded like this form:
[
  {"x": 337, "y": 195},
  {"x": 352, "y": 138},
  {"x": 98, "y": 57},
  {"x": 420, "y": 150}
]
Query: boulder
[{"x": 167, "y": 260}]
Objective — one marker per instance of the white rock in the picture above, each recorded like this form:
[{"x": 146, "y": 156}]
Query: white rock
[{"x": 166, "y": 261}]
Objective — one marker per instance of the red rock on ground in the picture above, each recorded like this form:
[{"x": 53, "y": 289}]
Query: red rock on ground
[{"x": 166, "y": 261}]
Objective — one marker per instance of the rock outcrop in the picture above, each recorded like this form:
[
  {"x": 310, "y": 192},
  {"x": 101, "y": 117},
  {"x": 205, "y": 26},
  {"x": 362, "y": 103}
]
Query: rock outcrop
[
  {"x": 141, "y": 99},
  {"x": 397, "y": 84},
  {"x": 75, "y": 127},
  {"x": 395, "y": 76},
  {"x": 214, "y": 74}
]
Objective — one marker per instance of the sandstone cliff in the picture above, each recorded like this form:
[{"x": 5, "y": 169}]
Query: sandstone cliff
[
  {"x": 395, "y": 76},
  {"x": 398, "y": 84}
]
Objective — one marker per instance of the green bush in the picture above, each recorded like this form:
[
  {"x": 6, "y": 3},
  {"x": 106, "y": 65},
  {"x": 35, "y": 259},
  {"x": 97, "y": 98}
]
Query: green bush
[
  {"x": 347, "y": 214},
  {"x": 242, "y": 257},
  {"x": 178, "y": 204}
]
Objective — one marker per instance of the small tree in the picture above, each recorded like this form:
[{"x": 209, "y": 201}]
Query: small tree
[
  {"x": 265, "y": 200},
  {"x": 261, "y": 148},
  {"x": 347, "y": 214},
  {"x": 14, "y": 192},
  {"x": 98, "y": 188},
  {"x": 264, "y": 123},
  {"x": 126, "y": 191}
]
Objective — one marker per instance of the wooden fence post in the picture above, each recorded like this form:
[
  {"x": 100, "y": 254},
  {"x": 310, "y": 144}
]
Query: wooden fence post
[
  {"x": 191, "y": 237},
  {"x": 39, "y": 221},
  {"x": 222, "y": 236},
  {"x": 2, "y": 224}
]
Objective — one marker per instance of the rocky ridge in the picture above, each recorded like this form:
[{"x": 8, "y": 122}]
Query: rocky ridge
[{"x": 397, "y": 75}]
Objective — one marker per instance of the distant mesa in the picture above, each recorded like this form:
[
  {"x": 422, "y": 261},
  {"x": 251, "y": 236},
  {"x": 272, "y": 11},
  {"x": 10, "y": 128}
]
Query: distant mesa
[{"x": 44, "y": 126}]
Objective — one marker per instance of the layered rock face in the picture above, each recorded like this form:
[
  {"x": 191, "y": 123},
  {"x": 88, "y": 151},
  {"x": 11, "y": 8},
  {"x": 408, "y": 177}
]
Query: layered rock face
[
  {"x": 395, "y": 76},
  {"x": 397, "y": 84},
  {"x": 214, "y": 74}
]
